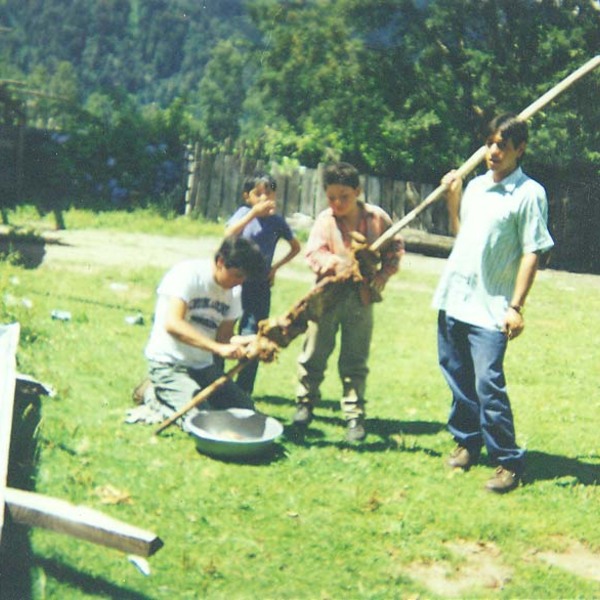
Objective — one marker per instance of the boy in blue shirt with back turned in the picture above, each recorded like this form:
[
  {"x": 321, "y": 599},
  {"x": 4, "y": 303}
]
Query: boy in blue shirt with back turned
[{"x": 257, "y": 220}]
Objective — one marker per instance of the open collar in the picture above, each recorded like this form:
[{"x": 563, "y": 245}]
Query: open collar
[{"x": 508, "y": 184}]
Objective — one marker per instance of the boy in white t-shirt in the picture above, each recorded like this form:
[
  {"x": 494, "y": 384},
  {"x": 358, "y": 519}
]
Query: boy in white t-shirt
[{"x": 198, "y": 303}]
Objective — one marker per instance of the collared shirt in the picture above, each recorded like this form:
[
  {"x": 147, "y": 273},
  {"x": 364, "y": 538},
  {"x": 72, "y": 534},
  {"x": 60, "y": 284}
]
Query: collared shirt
[
  {"x": 500, "y": 222},
  {"x": 329, "y": 243}
]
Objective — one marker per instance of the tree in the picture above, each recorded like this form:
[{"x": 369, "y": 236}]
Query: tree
[
  {"x": 399, "y": 87},
  {"x": 311, "y": 85},
  {"x": 221, "y": 94},
  {"x": 474, "y": 58}
]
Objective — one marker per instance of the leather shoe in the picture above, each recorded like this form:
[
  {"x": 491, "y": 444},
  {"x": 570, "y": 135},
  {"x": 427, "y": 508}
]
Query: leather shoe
[
  {"x": 304, "y": 414},
  {"x": 461, "y": 458},
  {"x": 503, "y": 481},
  {"x": 355, "y": 430},
  {"x": 139, "y": 393}
]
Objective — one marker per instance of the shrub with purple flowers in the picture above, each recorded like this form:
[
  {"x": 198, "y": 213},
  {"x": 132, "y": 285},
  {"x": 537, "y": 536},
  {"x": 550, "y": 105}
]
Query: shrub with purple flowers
[{"x": 119, "y": 160}]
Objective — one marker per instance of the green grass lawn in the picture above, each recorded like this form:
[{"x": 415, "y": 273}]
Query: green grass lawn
[{"x": 320, "y": 518}]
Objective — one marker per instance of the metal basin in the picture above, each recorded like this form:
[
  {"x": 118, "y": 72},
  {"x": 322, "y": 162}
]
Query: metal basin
[{"x": 234, "y": 433}]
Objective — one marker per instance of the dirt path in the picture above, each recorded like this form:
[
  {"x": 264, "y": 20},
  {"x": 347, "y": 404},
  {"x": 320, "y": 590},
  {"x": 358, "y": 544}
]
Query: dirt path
[
  {"x": 98, "y": 248},
  {"x": 121, "y": 249}
]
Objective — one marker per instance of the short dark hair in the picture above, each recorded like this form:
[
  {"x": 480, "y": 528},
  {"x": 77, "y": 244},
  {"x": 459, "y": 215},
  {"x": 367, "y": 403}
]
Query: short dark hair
[
  {"x": 241, "y": 253},
  {"x": 251, "y": 181},
  {"x": 341, "y": 173},
  {"x": 509, "y": 127}
]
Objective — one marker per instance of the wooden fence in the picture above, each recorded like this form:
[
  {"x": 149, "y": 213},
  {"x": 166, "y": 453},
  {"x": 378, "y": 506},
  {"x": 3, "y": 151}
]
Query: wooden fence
[
  {"x": 574, "y": 221},
  {"x": 215, "y": 191}
]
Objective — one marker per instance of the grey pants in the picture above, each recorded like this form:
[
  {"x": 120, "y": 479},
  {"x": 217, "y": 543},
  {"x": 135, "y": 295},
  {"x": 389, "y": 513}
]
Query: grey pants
[
  {"x": 355, "y": 321},
  {"x": 174, "y": 387}
]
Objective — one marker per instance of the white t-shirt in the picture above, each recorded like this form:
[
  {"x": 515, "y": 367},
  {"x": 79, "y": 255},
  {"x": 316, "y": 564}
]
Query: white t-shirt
[{"x": 208, "y": 304}]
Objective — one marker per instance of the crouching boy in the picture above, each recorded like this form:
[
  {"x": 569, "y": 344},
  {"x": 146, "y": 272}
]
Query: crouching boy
[{"x": 198, "y": 303}]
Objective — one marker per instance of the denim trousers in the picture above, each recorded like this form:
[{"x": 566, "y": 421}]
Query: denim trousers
[
  {"x": 471, "y": 359},
  {"x": 256, "y": 304}
]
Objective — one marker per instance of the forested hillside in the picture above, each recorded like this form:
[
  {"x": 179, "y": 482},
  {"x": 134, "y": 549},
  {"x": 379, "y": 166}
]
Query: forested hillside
[
  {"x": 399, "y": 87},
  {"x": 153, "y": 49}
]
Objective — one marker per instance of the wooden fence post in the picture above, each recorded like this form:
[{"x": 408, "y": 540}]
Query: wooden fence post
[
  {"x": 293, "y": 192},
  {"x": 320, "y": 202},
  {"x": 191, "y": 158},
  {"x": 232, "y": 186},
  {"x": 306, "y": 201},
  {"x": 398, "y": 202},
  {"x": 202, "y": 192},
  {"x": 215, "y": 199},
  {"x": 387, "y": 195},
  {"x": 372, "y": 190}
]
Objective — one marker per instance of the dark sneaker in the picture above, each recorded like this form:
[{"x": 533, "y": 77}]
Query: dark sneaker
[
  {"x": 461, "y": 458},
  {"x": 503, "y": 481},
  {"x": 355, "y": 430},
  {"x": 304, "y": 414}
]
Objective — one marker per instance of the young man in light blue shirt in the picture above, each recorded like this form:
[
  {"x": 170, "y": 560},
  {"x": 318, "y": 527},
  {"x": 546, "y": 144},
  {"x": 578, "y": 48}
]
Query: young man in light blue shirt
[{"x": 501, "y": 226}]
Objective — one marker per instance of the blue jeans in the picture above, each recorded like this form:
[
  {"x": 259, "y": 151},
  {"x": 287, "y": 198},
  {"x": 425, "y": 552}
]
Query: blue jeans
[
  {"x": 471, "y": 359},
  {"x": 256, "y": 304}
]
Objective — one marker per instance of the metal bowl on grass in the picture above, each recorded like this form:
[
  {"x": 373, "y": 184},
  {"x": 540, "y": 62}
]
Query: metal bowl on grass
[{"x": 234, "y": 433}]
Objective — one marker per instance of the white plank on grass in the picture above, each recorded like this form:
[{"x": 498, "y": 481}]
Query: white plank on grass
[{"x": 37, "y": 510}]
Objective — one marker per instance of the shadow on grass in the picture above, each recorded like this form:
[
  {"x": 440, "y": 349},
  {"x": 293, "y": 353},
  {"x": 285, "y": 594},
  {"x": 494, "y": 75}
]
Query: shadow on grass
[
  {"x": 282, "y": 401},
  {"x": 88, "y": 584},
  {"x": 542, "y": 466},
  {"x": 391, "y": 434},
  {"x": 24, "y": 249},
  {"x": 15, "y": 563},
  {"x": 267, "y": 457}
]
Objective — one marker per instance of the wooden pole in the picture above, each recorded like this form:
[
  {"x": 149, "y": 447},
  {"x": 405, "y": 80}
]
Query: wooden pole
[
  {"x": 191, "y": 161},
  {"x": 479, "y": 155},
  {"x": 203, "y": 395},
  {"x": 37, "y": 510}
]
